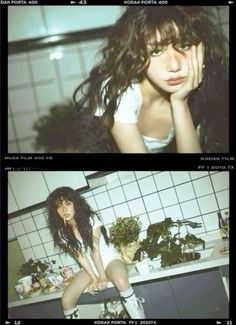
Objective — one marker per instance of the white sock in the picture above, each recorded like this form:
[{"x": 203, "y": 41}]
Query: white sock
[
  {"x": 127, "y": 293},
  {"x": 132, "y": 304},
  {"x": 72, "y": 313}
]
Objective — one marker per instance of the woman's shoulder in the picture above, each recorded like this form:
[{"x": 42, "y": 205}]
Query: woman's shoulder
[
  {"x": 96, "y": 222},
  {"x": 129, "y": 105},
  {"x": 132, "y": 94}
]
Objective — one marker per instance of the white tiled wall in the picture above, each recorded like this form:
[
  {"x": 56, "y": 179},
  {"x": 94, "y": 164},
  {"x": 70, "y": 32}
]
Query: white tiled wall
[
  {"x": 195, "y": 196},
  {"x": 35, "y": 82},
  {"x": 39, "y": 21},
  {"x": 38, "y": 185}
]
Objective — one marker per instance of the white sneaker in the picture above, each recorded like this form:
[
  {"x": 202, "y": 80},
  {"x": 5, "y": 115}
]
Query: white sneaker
[
  {"x": 134, "y": 307},
  {"x": 72, "y": 313},
  {"x": 141, "y": 301}
]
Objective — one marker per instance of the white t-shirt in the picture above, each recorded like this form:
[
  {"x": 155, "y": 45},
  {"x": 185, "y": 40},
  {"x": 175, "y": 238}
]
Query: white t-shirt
[
  {"x": 107, "y": 252},
  {"x": 128, "y": 112}
]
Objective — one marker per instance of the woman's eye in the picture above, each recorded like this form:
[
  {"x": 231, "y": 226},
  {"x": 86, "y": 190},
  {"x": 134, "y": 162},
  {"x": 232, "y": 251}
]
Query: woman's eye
[
  {"x": 184, "y": 47},
  {"x": 156, "y": 52}
]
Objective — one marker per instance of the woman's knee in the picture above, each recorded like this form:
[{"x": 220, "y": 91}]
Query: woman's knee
[
  {"x": 120, "y": 281},
  {"x": 118, "y": 274},
  {"x": 67, "y": 301},
  {"x": 74, "y": 290}
]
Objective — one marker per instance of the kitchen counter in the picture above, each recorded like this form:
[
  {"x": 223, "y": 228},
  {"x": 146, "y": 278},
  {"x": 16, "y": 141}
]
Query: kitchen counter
[{"x": 212, "y": 259}]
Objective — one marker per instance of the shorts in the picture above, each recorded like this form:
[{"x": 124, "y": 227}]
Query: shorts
[{"x": 108, "y": 254}]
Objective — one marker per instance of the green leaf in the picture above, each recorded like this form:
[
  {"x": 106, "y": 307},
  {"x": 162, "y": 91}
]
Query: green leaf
[
  {"x": 161, "y": 241},
  {"x": 125, "y": 231}
]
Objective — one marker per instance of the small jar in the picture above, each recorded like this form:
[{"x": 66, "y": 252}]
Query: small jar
[{"x": 20, "y": 290}]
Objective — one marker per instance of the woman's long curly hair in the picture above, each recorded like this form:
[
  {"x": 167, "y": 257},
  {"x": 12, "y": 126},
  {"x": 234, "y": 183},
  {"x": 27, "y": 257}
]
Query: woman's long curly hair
[
  {"x": 126, "y": 59},
  {"x": 63, "y": 235}
]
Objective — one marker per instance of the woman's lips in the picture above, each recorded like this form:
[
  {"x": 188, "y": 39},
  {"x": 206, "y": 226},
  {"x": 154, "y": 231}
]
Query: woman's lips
[{"x": 175, "y": 81}]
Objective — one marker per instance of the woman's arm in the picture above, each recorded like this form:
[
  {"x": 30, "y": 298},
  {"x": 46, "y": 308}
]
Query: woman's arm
[
  {"x": 186, "y": 135},
  {"x": 96, "y": 256},
  {"x": 128, "y": 138},
  {"x": 84, "y": 262}
]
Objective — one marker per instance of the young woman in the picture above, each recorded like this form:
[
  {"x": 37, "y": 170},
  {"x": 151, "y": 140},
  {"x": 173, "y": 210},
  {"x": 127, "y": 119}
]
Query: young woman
[
  {"x": 77, "y": 230},
  {"x": 163, "y": 79}
]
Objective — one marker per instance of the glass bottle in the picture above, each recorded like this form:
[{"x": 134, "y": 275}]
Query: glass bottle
[
  {"x": 227, "y": 224},
  {"x": 35, "y": 281},
  {"x": 41, "y": 278},
  {"x": 223, "y": 226},
  {"x": 227, "y": 218}
]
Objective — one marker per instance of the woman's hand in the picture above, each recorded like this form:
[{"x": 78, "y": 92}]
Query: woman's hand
[
  {"x": 97, "y": 284},
  {"x": 195, "y": 74},
  {"x": 102, "y": 283},
  {"x": 93, "y": 287}
]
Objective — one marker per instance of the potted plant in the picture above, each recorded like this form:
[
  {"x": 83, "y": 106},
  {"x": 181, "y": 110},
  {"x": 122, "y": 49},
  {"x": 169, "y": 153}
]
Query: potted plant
[
  {"x": 36, "y": 269},
  {"x": 124, "y": 234},
  {"x": 33, "y": 266},
  {"x": 172, "y": 248},
  {"x": 113, "y": 309}
]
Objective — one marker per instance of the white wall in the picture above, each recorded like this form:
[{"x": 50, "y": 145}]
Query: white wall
[
  {"x": 26, "y": 22},
  {"x": 29, "y": 188},
  {"x": 195, "y": 196}
]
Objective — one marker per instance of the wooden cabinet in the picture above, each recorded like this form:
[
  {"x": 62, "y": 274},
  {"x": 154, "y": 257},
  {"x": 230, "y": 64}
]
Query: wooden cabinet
[
  {"x": 200, "y": 295},
  {"x": 46, "y": 310},
  {"x": 159, "y": 300}
]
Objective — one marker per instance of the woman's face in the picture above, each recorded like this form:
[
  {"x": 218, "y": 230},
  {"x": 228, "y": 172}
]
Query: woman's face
[
  {"x": 168, "y": 69},
  {"x": 66, "y": 210}
]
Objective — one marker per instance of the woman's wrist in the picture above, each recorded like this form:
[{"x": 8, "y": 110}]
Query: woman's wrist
[
  {"x": 179, "y": 102},
  {"x": 93, "y": 277},
  {"x": 103, "y": 277}
]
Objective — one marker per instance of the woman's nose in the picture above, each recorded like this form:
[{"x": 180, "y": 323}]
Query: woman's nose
[
  {"x": 64, "y": 208},
  {"x": 173, "y": 61}
]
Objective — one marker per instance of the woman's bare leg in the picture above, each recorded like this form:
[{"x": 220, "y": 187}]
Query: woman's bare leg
[
  {"x": 74, "y": 290},
  {"x": 118, "y": 274}
]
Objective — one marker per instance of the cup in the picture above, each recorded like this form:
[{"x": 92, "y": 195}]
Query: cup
[
  {"x": 26, "y": 282},
  {"x": 144, "y": 266},
  {"x": 20, "y": 290}
]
